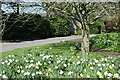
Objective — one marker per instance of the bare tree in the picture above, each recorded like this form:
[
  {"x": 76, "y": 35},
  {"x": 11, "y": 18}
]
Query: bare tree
[{"x": 80, "y": 14}]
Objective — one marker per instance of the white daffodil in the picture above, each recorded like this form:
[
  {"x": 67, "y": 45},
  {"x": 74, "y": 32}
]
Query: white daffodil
[
  {"x": 99, "y": 65},
  {"x": 91, "y": 68},
  {"x": 68, "y": 63},
  {"x": 107, "y": 64},
  {"x": 56, "y": 67},
  {"x": 58, "y": 61},
  {"x": 26, "y": 60},
  {"x": 78, "y": 62},
  {"x": 22, "y": 71},
  {"x": 90, "y": 62},
  {"x": 4, "y": 76},
  {"x": 109, "y": 57},
  {"x": 27, "y": 73},
  {"x": 110, "y": 67},
  {"x": 13, "y": 55},
  {"x": 41, "y": 54},
  {"x": 73, "y": 62},
  {"x": 46, "y": 74},
  {"x": 31, "y": 61},
  {"x": 102, "y": 59},
  {"x": 29, "y": 54},
  {"x": 3, "y": 71},
  {"x": 13, "y": 60},
  {"x": 103, "y": 64},
  {"x": 105, "y": 59},
  {"x": 110, "y": 75},
  {"x": 18, "y": 71},
  {"x": 9, "y": 56},
  {"x": 38, "y": 63},
  {"x": 113, "y": 65},
  {"x": 16, "y": 60},
  {"x": 36, "y": 67},
  {"x": 61, "y": 72},
  {"x": 65, "y": 65},
  {"x": 119, "y": 71},
  {"x": 3, "y": 62},
  {"x": 101, "y": 68},
  {"x": 6, "y": 61},
  {"x": 69, "y": 73},
  {"x": 33, "y": 74},
  {"x": 72, "y": 57},
  {"x": 31, "y": 65},
  {"x": 50, "y": 48},
  {"x": 96, "y": 61},
  {"x": 49, "y": 62},
  {"x": 10, "y": 60},
  {"x": 38, "y": 72},
  {"x": 81, "y": 74},
  {"x": 105, "y": 73}
]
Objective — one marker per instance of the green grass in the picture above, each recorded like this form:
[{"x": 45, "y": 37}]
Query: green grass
[{"x": 56, "y": 48}]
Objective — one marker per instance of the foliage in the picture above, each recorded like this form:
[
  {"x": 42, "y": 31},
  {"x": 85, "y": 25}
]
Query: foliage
[
  {"x": 31, "y": 26},
  {"x": 112, "y": 23},
  {"x": 108, "y": 41},
  {"x": 45, "y": 61},
  {"x": 59, "y": 25},
  {"x": 94, "y": 27}
]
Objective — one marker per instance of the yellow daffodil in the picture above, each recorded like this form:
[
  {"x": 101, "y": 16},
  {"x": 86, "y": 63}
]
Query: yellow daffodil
[
  {"x": 38, "y": 63},
  {"x": 115, "y": 76},
  {"x": 49, "y": 69},
  {"x": 88, "y": 76},
  {"x": 99, "y": 74}
]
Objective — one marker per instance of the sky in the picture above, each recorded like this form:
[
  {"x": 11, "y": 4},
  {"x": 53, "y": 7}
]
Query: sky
[{"x": 35, "y": 9}]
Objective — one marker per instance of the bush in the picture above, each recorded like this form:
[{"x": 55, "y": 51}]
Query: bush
[
  {"x": 112, "y": 23},
  {"x": 108, "y": 41},
  {"x": 59, "y": 26},
  {"x": 94, "y": 28},
  {"x": 30, "y": 26}
]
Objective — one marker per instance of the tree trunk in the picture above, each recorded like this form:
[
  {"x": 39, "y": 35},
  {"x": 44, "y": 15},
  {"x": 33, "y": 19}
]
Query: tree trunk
[
  {"x": 73, "y": 27},
  {"x": 85, "y": 39}
]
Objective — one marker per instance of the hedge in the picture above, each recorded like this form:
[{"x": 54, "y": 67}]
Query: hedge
[{"x": 30, "y": 26}]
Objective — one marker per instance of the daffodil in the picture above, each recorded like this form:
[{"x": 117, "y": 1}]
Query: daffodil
[
  {"x": 88, "y": 76},
  {"x": 99, "y": 74},
  {"x": 49, "y": 69},
  {"x": 115, "y": 76}
]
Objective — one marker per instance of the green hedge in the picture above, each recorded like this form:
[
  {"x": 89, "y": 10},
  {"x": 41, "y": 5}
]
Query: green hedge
[
  {"x": 108, "y": 41},
  {"x": 30, "y": 26},
  {"x": 59, "y": 26}
]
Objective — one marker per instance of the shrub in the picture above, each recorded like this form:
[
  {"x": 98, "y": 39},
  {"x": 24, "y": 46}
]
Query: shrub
[
  {"x": 59, "y": 26},
  {"x": 112, "y": 23},
  {"x": 94, "y": 28},
  {"x": 108, "y": 41},
  {"x": 30, "y": 26}
]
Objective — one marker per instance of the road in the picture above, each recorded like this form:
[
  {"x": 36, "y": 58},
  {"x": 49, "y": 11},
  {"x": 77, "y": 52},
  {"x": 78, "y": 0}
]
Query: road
[{"x": 15, "y": 45}]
